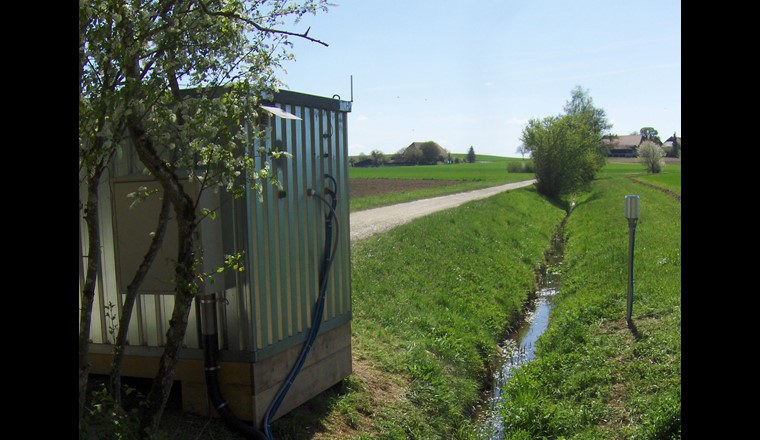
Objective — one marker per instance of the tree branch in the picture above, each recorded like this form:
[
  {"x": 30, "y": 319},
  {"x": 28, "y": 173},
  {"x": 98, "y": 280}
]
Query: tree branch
[{"x": 260, "y": 27}]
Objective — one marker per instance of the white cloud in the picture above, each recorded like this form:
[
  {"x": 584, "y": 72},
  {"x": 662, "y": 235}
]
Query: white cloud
[{"x": 516, "y": 121}]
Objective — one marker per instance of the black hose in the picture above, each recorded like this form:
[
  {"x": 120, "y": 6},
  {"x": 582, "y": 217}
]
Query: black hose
[
  {"x": 210, "y": 348},
  {"x": 316, "y": 314}
]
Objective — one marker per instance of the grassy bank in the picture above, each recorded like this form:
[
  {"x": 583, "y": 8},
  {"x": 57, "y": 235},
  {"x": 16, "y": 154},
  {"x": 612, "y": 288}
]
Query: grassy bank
[
  {"x": 431, "y": 301},
  {"x": 470, "y": 175},
  {"x": 594, "y": 376}
]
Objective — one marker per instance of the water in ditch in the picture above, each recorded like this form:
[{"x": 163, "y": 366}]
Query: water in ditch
[{"x": 519, "y": 347}]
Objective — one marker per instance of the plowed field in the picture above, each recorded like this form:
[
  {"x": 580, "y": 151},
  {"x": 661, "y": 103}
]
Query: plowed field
[{"x": 373, "y": 187}]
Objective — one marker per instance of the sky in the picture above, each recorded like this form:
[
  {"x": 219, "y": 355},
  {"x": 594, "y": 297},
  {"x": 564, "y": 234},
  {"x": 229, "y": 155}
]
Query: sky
[{"x": 472, "y": 73}]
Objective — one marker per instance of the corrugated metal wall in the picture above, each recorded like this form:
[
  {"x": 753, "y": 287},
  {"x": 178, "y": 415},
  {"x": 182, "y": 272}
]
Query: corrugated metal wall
[
  {"x": 287, "y": 235},
  {"x": 267, "y": 308},
  {"x": 105, "y": 286}
]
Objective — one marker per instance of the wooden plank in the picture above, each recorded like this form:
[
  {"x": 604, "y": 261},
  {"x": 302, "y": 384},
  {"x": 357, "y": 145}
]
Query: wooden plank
[
  {"x": 249, "y": 388},
  {"x": 237, "y": 373},
  {"x": 238, "y": 397},
  {"x": 309, "y": 383},
  {"x": 270, "y": 372}
]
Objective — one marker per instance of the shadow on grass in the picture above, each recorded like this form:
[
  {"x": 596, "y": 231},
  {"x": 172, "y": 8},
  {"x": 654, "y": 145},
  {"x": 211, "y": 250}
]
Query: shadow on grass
[
  {"x": 306, "y": 420},
  {"x": 633, "y": 329},
  {"x": 566, "y": 204},
  {"x": 555, "y": 201}
]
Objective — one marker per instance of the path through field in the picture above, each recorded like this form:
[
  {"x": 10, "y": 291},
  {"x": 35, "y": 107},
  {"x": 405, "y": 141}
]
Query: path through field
[{"x": 372, "y": 221}]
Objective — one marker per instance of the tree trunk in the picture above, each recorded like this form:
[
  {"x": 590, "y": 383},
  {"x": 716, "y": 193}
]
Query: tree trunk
[
  {"x": 185, "y": 277},
  {"x": 184, "y": 209},
  {"x": 88, "y": 290},
  {"x": 185, "y": 292},
  {"x": 131, "y": 296}
]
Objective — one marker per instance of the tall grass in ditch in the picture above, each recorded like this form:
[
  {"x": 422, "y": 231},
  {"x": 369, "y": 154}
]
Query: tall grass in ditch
[
  {"x": 594, "y": 377},
  {"x": 433, "y": 298}
]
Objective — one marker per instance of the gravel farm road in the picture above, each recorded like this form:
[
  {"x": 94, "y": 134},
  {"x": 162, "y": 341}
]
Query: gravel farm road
[{"x": 373, "y": 221}]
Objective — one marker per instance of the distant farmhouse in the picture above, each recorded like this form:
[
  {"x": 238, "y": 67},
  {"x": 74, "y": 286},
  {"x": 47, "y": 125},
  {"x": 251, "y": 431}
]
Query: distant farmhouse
[
  {"x": 424, "y": 153},
  {"x": 417, "y": 153},
  {"x": 669, "y": 143},
  {"x": 628, "y": 146},
  {"x": 672, "y": 150},
  {"x": 365, "y": 163},
  {"x": 623, "y": 146}
]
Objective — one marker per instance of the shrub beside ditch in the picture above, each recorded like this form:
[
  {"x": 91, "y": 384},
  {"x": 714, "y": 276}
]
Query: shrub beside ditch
[{"x": 523, "y": 166}]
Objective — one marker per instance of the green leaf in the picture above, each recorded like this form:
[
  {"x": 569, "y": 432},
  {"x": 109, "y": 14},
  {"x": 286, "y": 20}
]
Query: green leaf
[{"x": 208, "y": 213}]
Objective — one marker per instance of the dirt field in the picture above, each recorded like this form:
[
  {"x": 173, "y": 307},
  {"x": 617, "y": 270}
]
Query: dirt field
[{"x": 374, "y": 187}]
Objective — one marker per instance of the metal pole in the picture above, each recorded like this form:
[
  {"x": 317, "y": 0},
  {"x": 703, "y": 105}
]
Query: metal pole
[
  {"x": 631, "y": 243},
  {"x": 632, "y": 211},
  {"x": 208, "y": 314}
]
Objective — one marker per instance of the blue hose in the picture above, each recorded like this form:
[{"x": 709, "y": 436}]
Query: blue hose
[{"x": 319, "y": 308}]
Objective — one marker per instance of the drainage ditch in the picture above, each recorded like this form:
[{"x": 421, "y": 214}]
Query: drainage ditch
[{"x": 518, "y": 348}]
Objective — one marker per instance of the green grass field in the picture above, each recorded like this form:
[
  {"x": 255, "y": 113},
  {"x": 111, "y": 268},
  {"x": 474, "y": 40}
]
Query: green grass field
[{"x": 668, "y": 178}]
